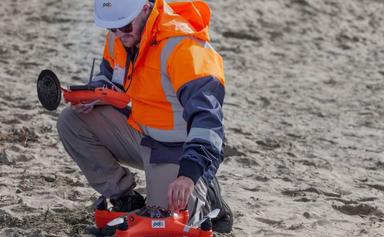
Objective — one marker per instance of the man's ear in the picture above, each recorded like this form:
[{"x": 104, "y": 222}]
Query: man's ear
[{"x": 147, "y": 7}]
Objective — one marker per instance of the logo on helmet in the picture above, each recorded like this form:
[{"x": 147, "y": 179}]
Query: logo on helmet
[{"x": 107, "y": 4}]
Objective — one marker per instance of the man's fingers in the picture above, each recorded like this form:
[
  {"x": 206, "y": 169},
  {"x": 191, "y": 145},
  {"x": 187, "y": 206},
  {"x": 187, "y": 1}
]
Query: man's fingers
[
  {"x": 170, "y": 194},
  {"x": 78, "y": 107},
  {"x": 179, "y": 192},
  {"x": 85, "y": 108},
  {"x": 175, "y": 195},
  {"x": 181, "y": 199},
  {"x": 186, "y": 196}
]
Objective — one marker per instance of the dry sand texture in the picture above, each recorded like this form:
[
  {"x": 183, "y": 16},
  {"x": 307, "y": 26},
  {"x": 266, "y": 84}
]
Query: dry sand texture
[{"x": 304, "y": 116}]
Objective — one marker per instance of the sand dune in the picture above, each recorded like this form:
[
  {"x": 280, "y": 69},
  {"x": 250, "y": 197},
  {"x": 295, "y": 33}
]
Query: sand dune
[{"x": 304, "y": 116}]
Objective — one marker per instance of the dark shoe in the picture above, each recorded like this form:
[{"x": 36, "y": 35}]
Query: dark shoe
[
  {"x": 128, "y": 203},
  {"x": 224, "y": 221}
]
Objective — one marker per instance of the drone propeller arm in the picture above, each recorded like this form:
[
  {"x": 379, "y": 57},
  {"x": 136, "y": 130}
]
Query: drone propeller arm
[{"x": 211, "y": 215}]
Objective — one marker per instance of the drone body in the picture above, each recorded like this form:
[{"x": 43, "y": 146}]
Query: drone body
[{"x": 149, "y": 222}]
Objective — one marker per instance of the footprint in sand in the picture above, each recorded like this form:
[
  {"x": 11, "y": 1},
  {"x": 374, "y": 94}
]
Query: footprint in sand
[
  {"x": 22, "y": 136},
  {"x": 359, "y": 209}
]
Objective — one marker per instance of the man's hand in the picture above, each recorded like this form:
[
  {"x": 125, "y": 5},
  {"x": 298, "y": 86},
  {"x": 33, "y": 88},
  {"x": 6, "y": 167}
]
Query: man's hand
[
  {"x": 179, "y": 192},
  {"x": 84, "y": 108}
]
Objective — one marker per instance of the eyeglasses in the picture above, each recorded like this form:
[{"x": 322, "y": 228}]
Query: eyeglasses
[{"x": 125, "y": 29}]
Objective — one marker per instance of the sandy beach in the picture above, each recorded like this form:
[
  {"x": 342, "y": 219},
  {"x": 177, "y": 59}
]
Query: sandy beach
[{"x": 304, "y": 116}]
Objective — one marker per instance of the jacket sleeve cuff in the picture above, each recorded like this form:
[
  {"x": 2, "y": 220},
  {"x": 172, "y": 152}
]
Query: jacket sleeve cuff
[{"x": 191, "y": 170}]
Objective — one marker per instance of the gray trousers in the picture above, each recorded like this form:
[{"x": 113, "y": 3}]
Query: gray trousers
[{"x": 102, "y": 144}]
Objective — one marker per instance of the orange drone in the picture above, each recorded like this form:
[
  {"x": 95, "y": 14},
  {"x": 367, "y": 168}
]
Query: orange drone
[{"x": 148, "y": 222}]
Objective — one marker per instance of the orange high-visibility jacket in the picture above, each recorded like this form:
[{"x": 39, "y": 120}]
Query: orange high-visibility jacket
[{"x": 176, "y": 84}]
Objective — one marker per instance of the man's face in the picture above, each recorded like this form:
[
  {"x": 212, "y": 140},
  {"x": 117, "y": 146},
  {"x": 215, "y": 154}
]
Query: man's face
[{"x": 130, "y": 35}]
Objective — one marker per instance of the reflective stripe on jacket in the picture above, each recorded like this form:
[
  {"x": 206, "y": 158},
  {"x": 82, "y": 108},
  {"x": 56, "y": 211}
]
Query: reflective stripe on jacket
[{"x": 176, "y": 85}]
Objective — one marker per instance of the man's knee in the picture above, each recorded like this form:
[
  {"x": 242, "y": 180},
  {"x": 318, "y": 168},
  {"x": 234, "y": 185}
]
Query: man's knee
[{"x": 66, "y": 121}]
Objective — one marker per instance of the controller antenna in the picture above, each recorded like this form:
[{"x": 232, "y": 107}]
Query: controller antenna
[{"x": 93, "y": 66}]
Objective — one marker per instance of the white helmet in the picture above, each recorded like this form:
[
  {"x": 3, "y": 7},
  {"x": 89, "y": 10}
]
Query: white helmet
[{"x": 116, "y": 13}]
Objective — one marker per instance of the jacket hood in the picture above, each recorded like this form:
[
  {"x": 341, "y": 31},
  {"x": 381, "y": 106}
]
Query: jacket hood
[{"x": 178, "y": 19}]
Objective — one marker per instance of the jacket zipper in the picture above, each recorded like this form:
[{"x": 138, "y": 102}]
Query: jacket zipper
[{"x": 129, "y": 73}]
